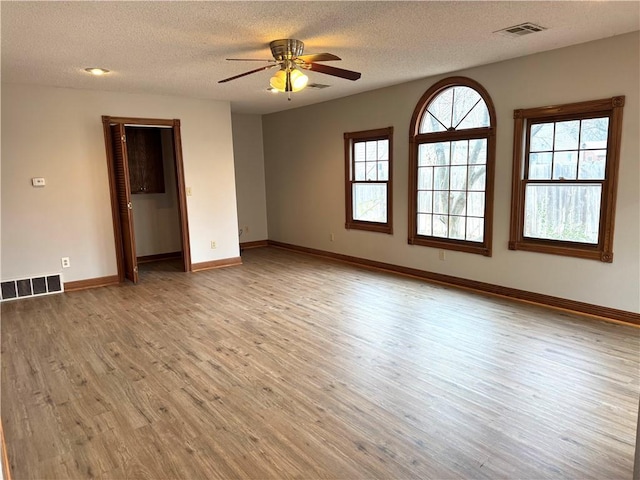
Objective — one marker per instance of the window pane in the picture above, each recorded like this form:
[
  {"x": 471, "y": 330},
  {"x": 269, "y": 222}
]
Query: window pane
[
  {"x": 440, "y": 226},
  {"x": 459, "y": 177},
  {"x": 475, "y": 229},
  {"x": 458, "y": 203},
  {"x": 441, "y": 202},
  {"x": 372, "y": 151},
  {"x": 425, "y": 178},
  {"x": 565, "y": 165},
  {"x": 592, "y": 164},
  {"x": 424, "y": 202},
  {"x": 383, "y": 170},
  {"x": 434, "y": 154},
  {"x": 464, "y": 99},
  {"x": 541, "y": 137},
  {"x": 359, "y": 171},
  {"x": 358, "y": 152},
  {"x": 370, "y": 202},
  {"x": 478, "y": 151},
  {"x": 457, "y": 228},
  {"x": 475, "y": 204},
  {"x": 469, "y": 111},
  {"x": 430, "y": 124},
  {"x": 383, "y": 149},
  {"x": 424, "y": 224},
  {"x": 477, "y": 177},
  {"x": 566, "y": 212},
  {"x": 540, "y": 166},
  {"x": 441, "y": 178},
  {"x": 594, "y": 132},
  {"x": 460, "y": 152},
  {"x": 371, "y": 170},
  {"x": 440, "y": 109},
  {"x": 567, "y": 135},
  {"x": 478, "y": 117}
]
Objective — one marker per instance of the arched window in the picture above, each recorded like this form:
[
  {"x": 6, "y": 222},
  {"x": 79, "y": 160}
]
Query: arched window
[{"x": 451, "y": 172}]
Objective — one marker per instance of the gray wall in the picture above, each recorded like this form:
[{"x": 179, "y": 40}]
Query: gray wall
[
  {"x": 249, "y": 166},
  {"x": 57, "y": 133},
  {"x": 305, "y": 184}
]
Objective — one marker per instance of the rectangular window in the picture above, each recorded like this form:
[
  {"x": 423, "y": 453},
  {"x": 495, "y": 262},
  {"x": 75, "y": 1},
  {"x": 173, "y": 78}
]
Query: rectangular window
[
  {"x": 368, "y": 172},
  {"x": 451, "y": 189},
  {"x": 565, "y": 174}
]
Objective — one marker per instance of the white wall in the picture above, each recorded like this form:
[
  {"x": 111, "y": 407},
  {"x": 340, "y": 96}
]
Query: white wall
[
  {"x": 156, "y": 218},
  {"x": 305, "y": 189},
  {"x": 250, "y": 185},
  {"x": 57, "y": 133}
]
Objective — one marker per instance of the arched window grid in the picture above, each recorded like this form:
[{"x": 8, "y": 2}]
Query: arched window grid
[{"x": 452, "y": 156}]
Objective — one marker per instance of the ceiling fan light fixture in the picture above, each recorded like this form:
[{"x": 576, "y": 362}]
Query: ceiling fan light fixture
[
  {"x": 289, "y": 80},
  {"x": 279, "y": 81},
  {"x": 288, "y": 57},
  {"x": 298, "y": 80}
]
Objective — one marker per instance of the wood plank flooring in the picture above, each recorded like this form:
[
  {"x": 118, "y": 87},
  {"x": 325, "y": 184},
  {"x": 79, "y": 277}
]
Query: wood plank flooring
[{"x": 292, "y": 366}]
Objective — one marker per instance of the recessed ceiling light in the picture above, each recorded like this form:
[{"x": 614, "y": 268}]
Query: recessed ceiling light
[{"x": 96, "y": 71}]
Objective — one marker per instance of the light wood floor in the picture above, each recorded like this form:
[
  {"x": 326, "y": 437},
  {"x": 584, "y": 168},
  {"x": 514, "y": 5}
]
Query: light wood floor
[{"x": 295, "y": 367}]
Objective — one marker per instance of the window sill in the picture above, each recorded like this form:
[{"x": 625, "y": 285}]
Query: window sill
[
  {"x": 370, "y": 227},
  {"x": 591, "y": 253},
  {"x": 457, "y": 245}
]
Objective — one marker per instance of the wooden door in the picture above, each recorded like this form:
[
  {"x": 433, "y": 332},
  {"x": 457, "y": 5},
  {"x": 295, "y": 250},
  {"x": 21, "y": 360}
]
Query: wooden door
[{"x": 125, "y": 207}]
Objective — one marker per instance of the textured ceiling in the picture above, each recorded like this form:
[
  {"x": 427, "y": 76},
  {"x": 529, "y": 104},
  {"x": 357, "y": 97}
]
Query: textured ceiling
[{"x": 179, "y": 48}]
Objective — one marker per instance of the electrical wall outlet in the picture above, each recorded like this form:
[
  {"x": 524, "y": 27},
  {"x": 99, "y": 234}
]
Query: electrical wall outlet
[
  {"x": 332, "y": 237},
  {"x": 66, "y": 263},
  {"x": 213, "y": 245},
  {"x": 441, "y": 255},
  {"x": 246, "y": 229}
]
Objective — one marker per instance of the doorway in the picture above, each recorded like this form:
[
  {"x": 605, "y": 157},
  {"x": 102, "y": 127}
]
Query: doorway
[{"x": 120, "y": 187}]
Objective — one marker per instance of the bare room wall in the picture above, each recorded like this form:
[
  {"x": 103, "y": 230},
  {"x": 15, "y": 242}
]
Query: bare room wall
[
  {"x": 56, "y": 133},
  {"x": 250, "y": 186},
  {"x": 305, "y": 190}
]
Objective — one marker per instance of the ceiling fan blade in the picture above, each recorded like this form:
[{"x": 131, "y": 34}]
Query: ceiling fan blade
[
  {"x": 251, "y": 60},
  {"x": 336, "y": 72},
  {"x": 318, "y": 57},
  {"x": 246, "y": 73}
]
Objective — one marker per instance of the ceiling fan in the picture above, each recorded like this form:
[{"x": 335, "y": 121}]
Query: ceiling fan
[{"x": 287, "y": 55}]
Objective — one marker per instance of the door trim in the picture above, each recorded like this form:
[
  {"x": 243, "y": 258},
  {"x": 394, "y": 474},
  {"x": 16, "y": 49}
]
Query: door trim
[{"x": 181, "y": 189}]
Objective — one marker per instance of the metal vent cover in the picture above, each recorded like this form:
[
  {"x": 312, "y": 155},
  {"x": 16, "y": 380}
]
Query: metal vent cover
[
  {"x": 319, "y": 86},
  {"x": 31, "y": 287},
  {"x": 520, "y": 30}
]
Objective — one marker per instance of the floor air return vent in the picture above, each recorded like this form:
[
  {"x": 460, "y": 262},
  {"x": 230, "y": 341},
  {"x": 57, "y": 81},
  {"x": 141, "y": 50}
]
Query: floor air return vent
[{"x": 31, "y": 287}]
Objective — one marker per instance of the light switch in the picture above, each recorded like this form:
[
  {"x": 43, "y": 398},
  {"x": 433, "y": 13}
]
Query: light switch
[
  {"x": 189, "y": 193},
  {"x": 38, "y": 182}
]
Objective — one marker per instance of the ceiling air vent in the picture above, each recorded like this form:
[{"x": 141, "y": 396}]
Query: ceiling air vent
[
  {"x": 520, "y": 30},
  {"x": 318, "y": 85}
]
